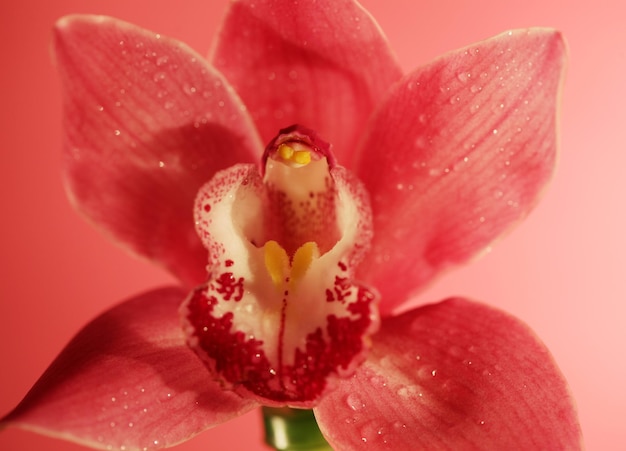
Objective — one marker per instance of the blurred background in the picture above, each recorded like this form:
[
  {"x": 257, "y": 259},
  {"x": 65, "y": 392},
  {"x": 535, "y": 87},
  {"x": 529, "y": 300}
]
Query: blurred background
[{"x": 561, "y": 271}]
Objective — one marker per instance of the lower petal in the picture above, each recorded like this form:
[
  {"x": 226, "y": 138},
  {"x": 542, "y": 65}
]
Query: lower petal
[
  {"x": 454, "y": 375},
  {"x": 128, "y": 381}
]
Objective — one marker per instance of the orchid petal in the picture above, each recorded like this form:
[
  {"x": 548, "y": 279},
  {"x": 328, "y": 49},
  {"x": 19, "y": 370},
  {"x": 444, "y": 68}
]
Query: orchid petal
[
  {"x": 454, "y": 375},
  {"x": 458, "y": 152},
  {"x": 322, "y": 64},
  {"x": 128, "y": 380},
  {"x": 147, "y": 122}
]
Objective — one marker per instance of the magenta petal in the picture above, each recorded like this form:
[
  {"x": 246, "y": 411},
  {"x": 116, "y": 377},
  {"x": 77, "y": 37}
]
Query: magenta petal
[
  {"x": 128, "y": 380},
  {"x": 454, "y": 375},
  {"x": 323, "y": 64},
  {"x": 147, "y": 122},
  {"x": 459, "y": 152}
]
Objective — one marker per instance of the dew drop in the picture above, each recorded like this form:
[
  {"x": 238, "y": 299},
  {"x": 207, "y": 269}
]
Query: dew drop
[
  {"x": 408, "y": 391},
  {"x": 378, "y": 381},
  {"x": 355, "y": 402},
  {"x": 424, "y": 372},
  {"x": 189, "y": 89},
  {"x": 463, "y": 76},
  {"x": 420, "y": 142}
]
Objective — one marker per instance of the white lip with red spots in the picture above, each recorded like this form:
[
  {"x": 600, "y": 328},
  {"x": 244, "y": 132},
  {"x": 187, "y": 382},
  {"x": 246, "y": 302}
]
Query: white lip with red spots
[{"x": 280, "y": 317}]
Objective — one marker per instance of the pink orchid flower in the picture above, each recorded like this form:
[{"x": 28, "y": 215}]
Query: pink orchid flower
[{"x": 294, "y": 260}]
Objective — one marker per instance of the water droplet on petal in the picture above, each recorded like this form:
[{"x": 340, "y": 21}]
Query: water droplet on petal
[
  {"x": 463, "y": 76},
  {"x": 355, "y": 402},
  {"x": 189, "y": 89}
]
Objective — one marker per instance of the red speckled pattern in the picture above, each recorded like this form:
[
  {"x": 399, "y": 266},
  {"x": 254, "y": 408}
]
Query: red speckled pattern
[{"x": 242, "y": 363}]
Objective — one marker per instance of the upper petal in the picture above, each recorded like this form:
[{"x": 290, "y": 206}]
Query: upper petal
[
  {"x": 128, "y": 380},
  {"x": 454, "y": 375},
  {"x": 146, "y": 123},
  {"x": 458, "y": 152},
  {"x": 323, "y": 64}
]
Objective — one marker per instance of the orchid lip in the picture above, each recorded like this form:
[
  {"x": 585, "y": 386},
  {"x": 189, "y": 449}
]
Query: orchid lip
[{"x": 281, "y": 317}]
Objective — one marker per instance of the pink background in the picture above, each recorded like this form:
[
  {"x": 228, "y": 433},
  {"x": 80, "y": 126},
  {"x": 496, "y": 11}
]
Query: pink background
[{"x": 562, "y": 271}]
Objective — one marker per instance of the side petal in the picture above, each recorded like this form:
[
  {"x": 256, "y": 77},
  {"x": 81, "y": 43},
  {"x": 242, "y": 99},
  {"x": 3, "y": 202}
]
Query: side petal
[
  {"x": 146, "y": 122},
  {"x": 459, "y": 152},
  {"x": 322, "y": 64},
  {"x": 454, "y": 375},
  {"x": 128, "y": 381}
]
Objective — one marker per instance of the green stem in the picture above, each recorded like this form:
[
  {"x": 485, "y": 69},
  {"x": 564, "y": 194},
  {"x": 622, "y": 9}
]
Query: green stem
[{"x": 293, "y": 429}]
